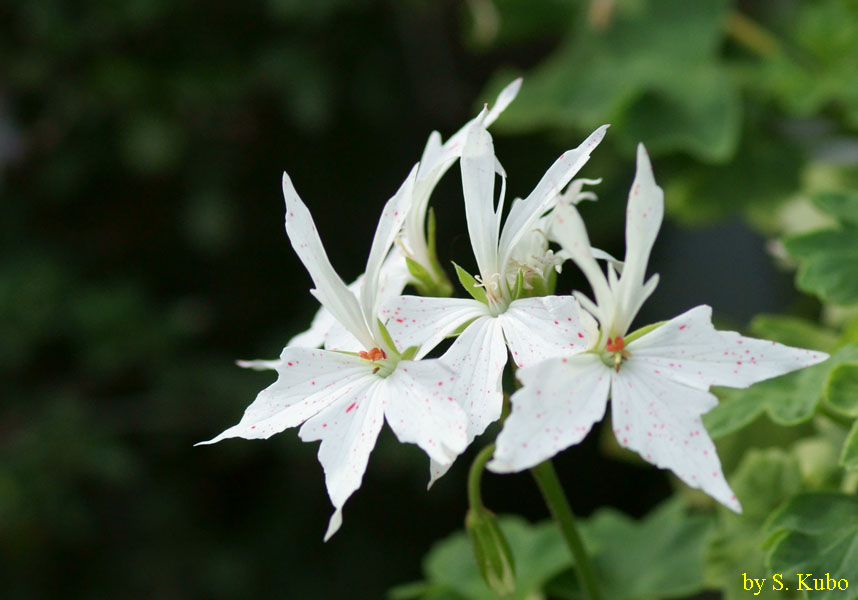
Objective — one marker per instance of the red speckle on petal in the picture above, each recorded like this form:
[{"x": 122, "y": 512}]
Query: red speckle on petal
[
  {"x": 681, "y": 327},
  {"x": 351, "y": 407}
]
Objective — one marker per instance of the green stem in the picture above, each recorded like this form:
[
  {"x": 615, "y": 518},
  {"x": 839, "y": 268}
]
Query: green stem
[
  {"x": 475, "y": 499},
  {"x": 555, "y": 498}
]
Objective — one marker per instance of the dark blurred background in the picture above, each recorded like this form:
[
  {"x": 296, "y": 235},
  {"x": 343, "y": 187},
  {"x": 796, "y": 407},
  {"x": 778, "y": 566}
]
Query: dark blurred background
[{"x": 142, "y": 251}]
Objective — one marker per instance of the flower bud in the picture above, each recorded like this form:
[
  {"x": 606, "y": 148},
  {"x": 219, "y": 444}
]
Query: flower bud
[{"x": 493, "y": 554}]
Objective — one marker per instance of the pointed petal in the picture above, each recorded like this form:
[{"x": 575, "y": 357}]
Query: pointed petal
[
  {"x": 425, "y": 322},
  {"x": 308, "y": 381},
  {"x": 330, "y": 289},
  {"x": 436, "y": 472},
  {"x": 559, "y": 402},
  {"x": 660, "y": 419},
  {"x": 644, "y": 214},
  {"x": 478, "y": 185},
  {"x": 506, "y": 96},
  {"x": 543, "y": 327},
  {"x": 569, "y": 231},
  {"x": 392, "y": 279},
  {"x": 389, "y": 225},
  {"x": 326, "y": 331},
  {"x": 420, "y": 408},
  {"x": 690, "y": 351},
  {"x": 348, "y": 430},
  {"x": 478, "y": 357},
  {"x": 524, "y": 213}
]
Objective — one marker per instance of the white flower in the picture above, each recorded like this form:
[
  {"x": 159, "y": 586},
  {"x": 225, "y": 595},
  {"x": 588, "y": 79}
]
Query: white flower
[
  {"x": 325, "y": 331},
  {"x": 342, "y": 399},
  {"x": 531, "y": 327},
  {"x": 658, "y": 381}
]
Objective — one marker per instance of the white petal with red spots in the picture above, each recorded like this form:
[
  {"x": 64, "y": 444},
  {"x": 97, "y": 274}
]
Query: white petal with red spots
[
  {"x": 690, "y": 351},
  {"x": 308, "y": 382},
  {"x": 544, "y": 327},
  {"x": 660, "y": 419},
  {"x": 556, "y": 408},
  {"x": 348, "y": 430},
  {"x": 425, "y": 322},
  {"x": 420, "y": 408}
]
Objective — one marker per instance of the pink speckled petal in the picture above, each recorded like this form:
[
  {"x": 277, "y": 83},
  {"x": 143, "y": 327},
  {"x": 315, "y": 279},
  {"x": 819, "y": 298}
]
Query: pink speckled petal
[
  {"x": 560, "y": 400},
  {"x": 478, "y": 357},
  {"x": 348, "y": 430},
  {"x": 425, "y": 322},
  {"x": 544, "y": 327},
  {"x": 308, "y": 382},
  {"x": 420, "y": 408},
  {"x": 660, "y": 419},
  {"x": 688, "y": 350}
]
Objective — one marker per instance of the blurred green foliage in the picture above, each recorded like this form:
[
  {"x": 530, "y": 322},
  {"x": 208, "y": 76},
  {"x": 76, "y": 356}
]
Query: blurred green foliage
[{"x": 142, "y": 251}]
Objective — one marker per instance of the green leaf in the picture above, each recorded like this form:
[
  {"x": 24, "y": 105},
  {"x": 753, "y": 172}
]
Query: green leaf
[
  {"x": 842, "y": 205},
  {"x": 653, "y": 71},
  {"x": 660, "y": 556},
  {"x": 470, "y": 285},
  {"x": 816, "y": 533},
  {"x": 422, "y": 278},
  {"x": 828, "y": 258},
  {"x": 764, "y": 479},
  {"x": 538, "y": 550},
  {"x": 841, "y": 389},
  {"x": 765, "y": 168},
  {"x": 793, "y": 331},
  {"x": 788, "y": 400},
  {"x": 849, "y": 455}
]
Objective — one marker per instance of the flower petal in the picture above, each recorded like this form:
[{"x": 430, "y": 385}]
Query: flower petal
[
  {"x": 308, "y": 382},
  {"x": 560, "y": 400},
  {"x": 478, "y": 357},
  {"x": 569, "y": 231},
  {"x": 330, "y": 290},
  {"x": 542, "y": 327},
  {"x": 524, "y": 213},
  {"x": 348, "y": 430},
  {"x": 660, "y": 419},
  {"x": 690, "y": 351},
  {"x": 644, "y": 214},
  {"x": 478, "y": 186},
  {"x": 425, "y": 322},
  {"x": 389, "y": 225},
  {"x": 420, "y": 408}
]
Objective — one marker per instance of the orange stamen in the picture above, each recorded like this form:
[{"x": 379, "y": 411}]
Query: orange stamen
[
  {"x": 373, "y": 355},
  {"x": 615, "y": 345}
]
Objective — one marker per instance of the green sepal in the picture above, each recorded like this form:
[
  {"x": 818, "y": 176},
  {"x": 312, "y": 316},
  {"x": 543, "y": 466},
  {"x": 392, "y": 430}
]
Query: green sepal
[
  {"x": 491, "y": 550},
  {"x": 430, "y": 280},
  {"x": 422, "y": 279},
  {"x": 409, "y": 353},
  {"x": 518, "y": 288},
  {"x": 470, "y": 285},
  {"x": 385, "y": 335},
  {"x": 442, "y": 286},
  {"x": 545, "y": 287},
  {"x": 642, "y": 331}
]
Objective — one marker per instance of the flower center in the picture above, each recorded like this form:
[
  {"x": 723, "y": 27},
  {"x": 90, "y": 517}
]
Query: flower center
[{"x": 617, "y": 349}]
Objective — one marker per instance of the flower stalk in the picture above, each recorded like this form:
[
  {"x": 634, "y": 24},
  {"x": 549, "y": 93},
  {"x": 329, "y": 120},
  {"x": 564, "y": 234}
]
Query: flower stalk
[{"x": 555, "y": 499}]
